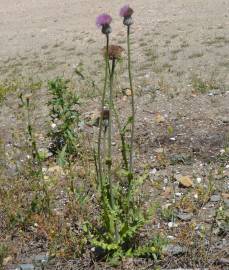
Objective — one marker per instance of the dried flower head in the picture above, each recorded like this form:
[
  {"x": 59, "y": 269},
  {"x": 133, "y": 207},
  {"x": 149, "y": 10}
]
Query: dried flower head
[
  {"x": 105, "y": 114},
  {"x": 126, "y": 12},
  {"x": 104, "y": 21},
  {"x": 114, "y": 52}
]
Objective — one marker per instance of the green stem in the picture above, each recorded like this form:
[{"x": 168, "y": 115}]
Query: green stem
[
  {"x": 132, "y": 104},
  {"x": 100, "y": 174},
  {"x": 35, "y": 153},
  {"x": 109, "y": 161},
  {"x": 109, "y": 151},
  {"x": 130, "y": 176},
  {"x": 123, "y": 139}
]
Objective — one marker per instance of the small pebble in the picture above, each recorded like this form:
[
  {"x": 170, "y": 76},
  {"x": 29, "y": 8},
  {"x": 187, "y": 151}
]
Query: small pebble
[
  {"x": 172, "y": 225},
  {"x": 165, "y": 181},
  {"x": 195, "y": 196},
  {"x": 174, "y": 249},
  {"x": 25, "y": 267},
  {"x": 215, "y": 198},
  {"x": 40, "y": 260},
  {"x": 170, "y": 237},
  {"x": 185, "y": 216},
  {"x": 153, "y": 171},
  {"x": 225, "y": 119},
  {"x": 226, "y": 202},
  {"x": 198, "y": 180}
]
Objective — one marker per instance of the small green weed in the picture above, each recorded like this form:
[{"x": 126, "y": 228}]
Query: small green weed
[
  {"x": 3, "y": 254},
  {"x": 65, "y": 119},
  {"x": 203, "y": 86},
  {"x": 6, "y": 88}
]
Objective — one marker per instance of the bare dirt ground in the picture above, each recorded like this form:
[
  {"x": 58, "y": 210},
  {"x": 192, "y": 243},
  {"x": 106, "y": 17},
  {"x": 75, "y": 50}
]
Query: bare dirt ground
[
  {"x": 181, "y": 67},
  {"x": 51, "y": 36}
]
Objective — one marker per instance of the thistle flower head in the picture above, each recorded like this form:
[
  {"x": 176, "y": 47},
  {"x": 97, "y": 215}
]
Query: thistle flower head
[
  {"x": 114, "y": 52},
  {"x": 103, "y": 21},
  {"x": 126, "y": 11}
]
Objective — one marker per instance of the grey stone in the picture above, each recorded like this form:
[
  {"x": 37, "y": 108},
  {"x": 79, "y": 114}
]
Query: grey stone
[
  {"x": 174, "y": 249},
  {"x": 26, "y": 267},
  {"x": 215, "y": 198},
  {"x": 223, "y": 261},
  {"x": 40, "y": 260},
  {"x": 225, "y": 119},
  {"x": 185, "y": 216},
  {"x": 226, "y": 202},
  {"x": 12, "y": 170}
]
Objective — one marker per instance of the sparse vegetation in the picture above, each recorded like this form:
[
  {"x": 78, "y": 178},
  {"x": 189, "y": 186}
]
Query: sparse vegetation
[
  {"x": 3, "y": 254},
  {"x": 65, "y": 119},
  {"x": 126, "y": 169},
  {"x": 203, "y": 86}
]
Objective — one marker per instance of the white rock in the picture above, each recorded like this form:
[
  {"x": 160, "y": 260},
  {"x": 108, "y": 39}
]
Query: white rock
[
  {"x": 53, "y": 125},
  {"x": 165, "y": 181},
  {"x": 172, "y": 225},
  {"x": 198, "y": 180},
  {"x": 44, "y": 169},
  {"x": 153, "y": 171}
]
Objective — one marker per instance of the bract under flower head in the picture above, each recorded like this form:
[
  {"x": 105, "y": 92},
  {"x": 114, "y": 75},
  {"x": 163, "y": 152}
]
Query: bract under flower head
[
  {"x": 103, "y": 20},
  {"x": 126, "y": 11}
]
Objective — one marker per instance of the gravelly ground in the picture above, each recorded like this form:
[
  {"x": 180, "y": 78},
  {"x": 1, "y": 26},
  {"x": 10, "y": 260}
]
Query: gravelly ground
[{"x": 180, "y": 49}]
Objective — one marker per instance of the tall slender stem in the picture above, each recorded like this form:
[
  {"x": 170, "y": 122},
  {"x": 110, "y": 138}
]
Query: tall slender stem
[
  {"x": 100, "y": 174},
  {"x": 109, "y": 161},
  {"x": 132, "y": 103}
]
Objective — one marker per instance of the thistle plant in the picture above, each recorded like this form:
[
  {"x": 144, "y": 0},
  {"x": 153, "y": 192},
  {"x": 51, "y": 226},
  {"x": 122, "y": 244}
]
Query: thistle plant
[{"x": 120, "y": 204}]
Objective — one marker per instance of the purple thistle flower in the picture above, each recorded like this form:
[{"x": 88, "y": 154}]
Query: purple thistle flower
[
  {"x": 103, "y": 19},
  {"x": 126, "y": 11}
]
